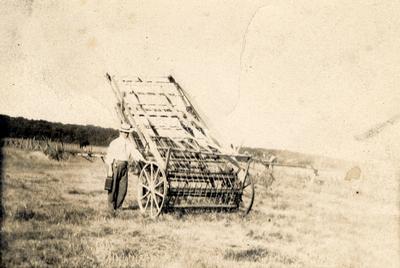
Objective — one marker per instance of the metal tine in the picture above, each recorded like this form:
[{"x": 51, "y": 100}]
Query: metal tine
[
  {"x": 206, "y": 177},
  {"x": 186, "y": 183},
  {"x": 228, "y": 188},
  {"x": 195, "y": 186},
  {"x": 223, "y": 189},
  {"x": 211, "y": 187},
  {"x": 220, "y": 194}
]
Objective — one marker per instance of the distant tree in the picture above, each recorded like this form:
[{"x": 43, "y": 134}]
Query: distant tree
[
  {"x": 84, "y": 143},
  {"x": 19, "y": 127}
]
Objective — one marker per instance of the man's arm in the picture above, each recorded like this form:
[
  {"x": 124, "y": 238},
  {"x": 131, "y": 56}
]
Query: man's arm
[
  {"x": 135, "y": 155},
  {"x": 109, "y": 160}
]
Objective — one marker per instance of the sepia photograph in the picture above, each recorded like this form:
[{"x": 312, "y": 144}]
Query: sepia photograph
[{"x": 199, "y": 133}]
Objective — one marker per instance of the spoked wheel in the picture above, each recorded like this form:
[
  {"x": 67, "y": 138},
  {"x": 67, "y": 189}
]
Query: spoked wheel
[
  {"x": 152, "y": 190},
  {"x": 247, "y": 197}
]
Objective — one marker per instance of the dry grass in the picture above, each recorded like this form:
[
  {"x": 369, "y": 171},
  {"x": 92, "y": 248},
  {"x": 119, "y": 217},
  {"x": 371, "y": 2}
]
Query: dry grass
[{"x": 55, "y": 216}]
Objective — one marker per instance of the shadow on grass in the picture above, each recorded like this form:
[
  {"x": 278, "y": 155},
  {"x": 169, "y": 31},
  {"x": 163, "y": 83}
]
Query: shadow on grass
[
  {"x": 65, "y": 214},
  {"x": 253, "y": 254},
  {"x": 74, "y": 191},
  {"x": 134, "y": 206},
  {"x": 257, "y": 254},
  {"x": 4, "y": 131}
]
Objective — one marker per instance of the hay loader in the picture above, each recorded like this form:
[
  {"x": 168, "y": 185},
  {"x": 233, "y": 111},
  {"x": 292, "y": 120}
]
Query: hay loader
[{"x": 186, "y": 166}]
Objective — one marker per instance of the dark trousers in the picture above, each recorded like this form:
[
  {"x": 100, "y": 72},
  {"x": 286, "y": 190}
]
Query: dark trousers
[{"x": 120, "y": 184}]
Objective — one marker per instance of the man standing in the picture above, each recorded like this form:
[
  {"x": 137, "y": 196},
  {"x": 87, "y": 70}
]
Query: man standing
[{"x": 120, "y": 152}]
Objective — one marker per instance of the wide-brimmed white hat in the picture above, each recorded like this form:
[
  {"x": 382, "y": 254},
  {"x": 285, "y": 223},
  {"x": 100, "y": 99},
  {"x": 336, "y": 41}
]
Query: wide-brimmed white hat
[{"x": 125, "y": 128}]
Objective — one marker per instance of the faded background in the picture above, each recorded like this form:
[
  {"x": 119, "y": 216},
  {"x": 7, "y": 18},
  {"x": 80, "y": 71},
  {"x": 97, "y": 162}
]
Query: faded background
[
  {"x": 316, "y": 77},
  {"x": 308, "y": 76}
]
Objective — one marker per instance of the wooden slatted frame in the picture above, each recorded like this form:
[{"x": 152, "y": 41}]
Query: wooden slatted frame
[{"x": 142, "y": 129}]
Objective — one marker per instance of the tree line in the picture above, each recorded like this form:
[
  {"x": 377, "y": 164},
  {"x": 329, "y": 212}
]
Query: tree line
[{"x": 19, "y": 127}]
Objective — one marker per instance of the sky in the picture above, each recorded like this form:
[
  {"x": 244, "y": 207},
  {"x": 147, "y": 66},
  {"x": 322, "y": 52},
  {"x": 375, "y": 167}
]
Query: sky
[{"x": 306, "y": 76}]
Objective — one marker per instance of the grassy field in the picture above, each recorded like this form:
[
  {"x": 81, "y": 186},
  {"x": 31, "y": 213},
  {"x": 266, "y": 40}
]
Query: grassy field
[{"x": 55, "y": 215}]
